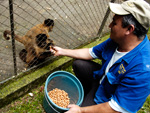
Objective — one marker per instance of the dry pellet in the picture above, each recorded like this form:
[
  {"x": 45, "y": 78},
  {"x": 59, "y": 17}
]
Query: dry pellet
[{"x": 59, "y": 97}]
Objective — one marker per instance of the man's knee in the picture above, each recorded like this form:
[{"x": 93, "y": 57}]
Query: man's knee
[{"x": 80, "y": 64}]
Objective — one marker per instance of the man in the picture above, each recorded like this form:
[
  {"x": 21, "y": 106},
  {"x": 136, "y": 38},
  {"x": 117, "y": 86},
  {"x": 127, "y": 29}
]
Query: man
[{"x": 122, "y": 83}]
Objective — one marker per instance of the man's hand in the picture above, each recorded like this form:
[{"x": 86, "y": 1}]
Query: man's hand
[
  {"x": 57, "y": 51},
  {"x": 99, "y": 108},
  {"x": 73, "y": 109}
]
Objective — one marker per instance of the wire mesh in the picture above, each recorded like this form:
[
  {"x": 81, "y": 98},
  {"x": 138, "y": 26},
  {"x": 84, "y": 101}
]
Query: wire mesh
[{"x": 75, "y": 22}]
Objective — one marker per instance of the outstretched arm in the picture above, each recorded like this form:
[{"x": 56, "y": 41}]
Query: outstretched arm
[{"x": 74, "y": 53}]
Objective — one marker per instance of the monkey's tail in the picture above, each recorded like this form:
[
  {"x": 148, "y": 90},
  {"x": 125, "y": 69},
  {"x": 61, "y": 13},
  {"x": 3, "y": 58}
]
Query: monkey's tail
[{"x": 7, "y": 34}]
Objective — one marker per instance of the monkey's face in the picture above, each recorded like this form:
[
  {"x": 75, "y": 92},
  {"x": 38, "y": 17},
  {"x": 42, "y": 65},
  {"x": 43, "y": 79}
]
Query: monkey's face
[
  {"x": 51, "y": 28},
  {"x": 43, "y": 42},
  {"x": 49, "y": 23}
]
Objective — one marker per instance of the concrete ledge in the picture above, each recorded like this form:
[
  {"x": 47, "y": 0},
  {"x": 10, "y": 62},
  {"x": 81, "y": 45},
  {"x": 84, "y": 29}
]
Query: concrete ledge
[{"x": 21, "y": 85}]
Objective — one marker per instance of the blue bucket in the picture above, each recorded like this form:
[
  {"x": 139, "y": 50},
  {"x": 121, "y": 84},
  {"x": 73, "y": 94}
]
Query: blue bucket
[{"x": 65, "y": 81}]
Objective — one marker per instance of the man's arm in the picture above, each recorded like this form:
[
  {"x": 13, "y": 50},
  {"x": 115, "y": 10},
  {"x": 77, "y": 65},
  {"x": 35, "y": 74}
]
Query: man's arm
[
  {"x": 74, "y": 53},
  {"x": 99, "y": 108}
]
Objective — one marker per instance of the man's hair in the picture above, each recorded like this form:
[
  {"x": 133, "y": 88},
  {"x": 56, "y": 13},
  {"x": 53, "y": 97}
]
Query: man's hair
[{"x": 139, "y": 31}]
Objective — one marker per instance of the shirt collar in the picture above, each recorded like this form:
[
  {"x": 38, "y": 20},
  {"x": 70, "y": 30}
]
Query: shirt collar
[{"x": 129, "y": 56}]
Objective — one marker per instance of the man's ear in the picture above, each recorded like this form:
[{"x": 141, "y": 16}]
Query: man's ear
[{"x": 130, "y": 29}]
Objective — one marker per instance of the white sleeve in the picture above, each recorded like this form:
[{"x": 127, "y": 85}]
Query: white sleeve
[
  {"x": 114, "y": 105},
  {"x": 92, "y": 53}
]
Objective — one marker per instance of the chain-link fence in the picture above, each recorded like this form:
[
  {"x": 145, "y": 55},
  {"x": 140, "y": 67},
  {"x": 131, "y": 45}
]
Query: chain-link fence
[{"x": 76, "y": 22}]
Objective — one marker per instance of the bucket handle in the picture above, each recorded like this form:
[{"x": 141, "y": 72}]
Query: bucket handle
[{"x": 50, "y": 104}]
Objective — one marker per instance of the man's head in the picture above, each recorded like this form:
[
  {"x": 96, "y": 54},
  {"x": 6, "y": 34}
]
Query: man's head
[
  {"x": 140, "y": 9},
  {"x": 134, "y": 12}
]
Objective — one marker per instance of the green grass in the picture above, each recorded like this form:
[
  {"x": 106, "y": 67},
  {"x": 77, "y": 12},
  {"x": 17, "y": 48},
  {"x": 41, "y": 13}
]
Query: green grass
[
  {"x": 27, "y": 103},
  {"x": 33, "y": 104}
]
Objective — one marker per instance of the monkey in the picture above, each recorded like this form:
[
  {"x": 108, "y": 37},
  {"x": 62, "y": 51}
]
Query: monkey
[
  {"x": 36, "y": 42},
  {"x": 37, "y": 53}
]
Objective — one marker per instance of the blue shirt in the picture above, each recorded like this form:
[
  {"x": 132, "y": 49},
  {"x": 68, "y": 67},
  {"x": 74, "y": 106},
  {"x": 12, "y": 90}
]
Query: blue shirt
[{"x": 128, "y": 80}]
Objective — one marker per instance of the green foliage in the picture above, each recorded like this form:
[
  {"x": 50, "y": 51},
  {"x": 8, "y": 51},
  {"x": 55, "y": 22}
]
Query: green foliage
[
  {"x": 146, "y": 106},
  {"x": 148, "y": 34}
]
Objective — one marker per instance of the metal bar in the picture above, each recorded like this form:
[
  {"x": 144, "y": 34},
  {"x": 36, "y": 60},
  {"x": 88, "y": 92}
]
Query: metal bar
[
  {"x": 104, "y": 20},
  {"x": 12, "y": 35}
]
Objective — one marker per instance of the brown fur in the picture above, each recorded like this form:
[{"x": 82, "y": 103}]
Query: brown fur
[{"x": 35, "y": 41}]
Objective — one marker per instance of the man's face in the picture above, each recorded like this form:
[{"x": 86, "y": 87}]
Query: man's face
[{"x": 117, "y": 31}]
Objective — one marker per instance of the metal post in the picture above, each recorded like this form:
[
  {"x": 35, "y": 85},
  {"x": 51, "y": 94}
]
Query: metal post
[
  {"x": 104, "y": 20},
  {"x": 12, "y": 35}
]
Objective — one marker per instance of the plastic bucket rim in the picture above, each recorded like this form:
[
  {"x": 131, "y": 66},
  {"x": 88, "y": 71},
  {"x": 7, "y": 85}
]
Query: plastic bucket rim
[
  {"x": 50, "y": 77},
  {"x": 73, "y": 80},
  {"x": 70, "y": 74}
]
